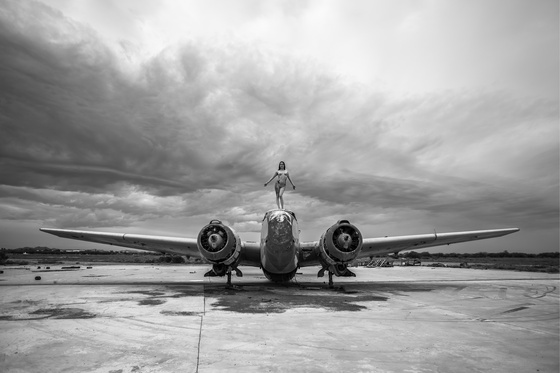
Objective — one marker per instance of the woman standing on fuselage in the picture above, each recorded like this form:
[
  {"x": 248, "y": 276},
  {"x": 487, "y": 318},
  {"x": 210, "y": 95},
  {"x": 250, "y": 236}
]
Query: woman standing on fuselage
[{"x": 280, "y": 185}]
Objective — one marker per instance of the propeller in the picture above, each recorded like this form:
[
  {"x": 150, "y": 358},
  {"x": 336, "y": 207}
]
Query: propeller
[
  {"x": 216, "y": 238},
  {"x": 344, "y": 238}
]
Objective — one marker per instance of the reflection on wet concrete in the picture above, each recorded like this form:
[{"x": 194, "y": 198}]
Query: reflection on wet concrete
[
  {"x": 50, "y": 313},
  {"x": 151, "y": 302},
  {"x": 180, "y": 313},
  {"x": 274, "y": 298},
  {"x": 157, "y": 297},
  {"x": 64, "y": 313}
]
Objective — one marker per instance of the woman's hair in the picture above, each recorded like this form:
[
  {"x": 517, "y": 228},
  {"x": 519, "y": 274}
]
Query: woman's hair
[{"x": 282, "y": 163}]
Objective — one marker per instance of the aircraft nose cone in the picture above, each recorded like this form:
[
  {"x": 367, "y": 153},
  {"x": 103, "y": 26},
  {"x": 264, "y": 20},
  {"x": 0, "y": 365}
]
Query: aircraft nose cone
[
  {"x": 215, "y": 241},
  {"x": 344, "y": 240}
]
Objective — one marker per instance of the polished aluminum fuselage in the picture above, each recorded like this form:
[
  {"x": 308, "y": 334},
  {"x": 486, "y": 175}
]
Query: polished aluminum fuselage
[{"x": 279, "y": 242}]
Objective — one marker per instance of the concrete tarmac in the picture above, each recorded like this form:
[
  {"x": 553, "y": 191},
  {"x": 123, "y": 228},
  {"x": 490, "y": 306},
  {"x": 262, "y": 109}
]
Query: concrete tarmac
[{"x": 150, "y": 318}]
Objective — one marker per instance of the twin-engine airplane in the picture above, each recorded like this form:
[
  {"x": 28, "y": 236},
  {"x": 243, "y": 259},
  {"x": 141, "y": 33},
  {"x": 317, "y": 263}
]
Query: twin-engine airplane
[{"x": 280, "y": 252}]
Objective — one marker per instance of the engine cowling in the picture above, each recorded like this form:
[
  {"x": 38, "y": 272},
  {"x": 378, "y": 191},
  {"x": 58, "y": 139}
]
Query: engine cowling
[
  {"x": 339, "y": 246},
  {"x": 219, "y": 244}
]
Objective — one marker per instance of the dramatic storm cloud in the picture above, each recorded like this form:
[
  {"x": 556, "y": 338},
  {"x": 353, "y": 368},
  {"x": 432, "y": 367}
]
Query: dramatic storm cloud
[{"x": 404, "y": 117}]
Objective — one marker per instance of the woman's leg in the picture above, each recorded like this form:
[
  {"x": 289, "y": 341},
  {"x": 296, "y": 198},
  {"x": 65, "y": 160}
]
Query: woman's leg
[
  {"x": 281, "y": 197},
  {"x": 277, "y": 190}
]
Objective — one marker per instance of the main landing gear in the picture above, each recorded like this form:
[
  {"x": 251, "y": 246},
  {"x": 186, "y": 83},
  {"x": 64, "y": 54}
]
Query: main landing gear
[
  {"x": 223, "y": 270},
  {"x": 341, "y": 271},
  {"x": 238, "y": 273}
]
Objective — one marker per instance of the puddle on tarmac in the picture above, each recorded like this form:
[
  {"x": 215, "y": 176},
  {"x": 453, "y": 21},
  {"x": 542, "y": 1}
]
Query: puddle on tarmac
[
  {"x": 64, "y": 313},
  {"x": 51, "y": 313},
  {"x": 278, "y": 299},
  {"x": 151, "y": 302},
  {"x": 151, "y": 293},
  {"x": 158, "y": 296},
  {"x": 180, "y": 313}
]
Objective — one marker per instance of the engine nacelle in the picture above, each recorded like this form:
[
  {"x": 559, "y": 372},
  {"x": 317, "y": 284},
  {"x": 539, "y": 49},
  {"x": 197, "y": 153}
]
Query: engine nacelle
[
  {"x": 219, "y": 245},
  {"x": 339, "y": 246}
]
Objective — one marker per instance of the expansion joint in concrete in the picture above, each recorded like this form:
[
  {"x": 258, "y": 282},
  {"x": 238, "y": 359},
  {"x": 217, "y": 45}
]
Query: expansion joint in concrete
[{"x": 200, "y": 330}]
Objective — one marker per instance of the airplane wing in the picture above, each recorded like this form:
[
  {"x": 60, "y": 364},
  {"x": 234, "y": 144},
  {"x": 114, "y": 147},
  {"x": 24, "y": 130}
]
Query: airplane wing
[
  {"x": 389, "y": 245},
  {"x": 170, "y": 245},
  {"x": 311, "y": 251},
  {"x": 250, "y": 251}
]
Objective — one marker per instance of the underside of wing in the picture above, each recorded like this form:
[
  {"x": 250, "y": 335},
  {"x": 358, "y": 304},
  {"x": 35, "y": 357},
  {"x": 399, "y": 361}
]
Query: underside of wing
[
  {"x": 250, "y": 254},
  {"x": 170, "y": 245},
  {"x": 388, "y": 245}
]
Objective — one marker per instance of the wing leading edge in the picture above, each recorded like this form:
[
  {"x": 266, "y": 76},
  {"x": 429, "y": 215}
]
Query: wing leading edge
[
  {"x": 388, "y": 245},
  {"x": 170, "y": 245}
]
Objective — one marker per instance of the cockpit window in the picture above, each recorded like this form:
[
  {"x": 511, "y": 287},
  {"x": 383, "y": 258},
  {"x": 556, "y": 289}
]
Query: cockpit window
[{"x": 267, "y": 215}]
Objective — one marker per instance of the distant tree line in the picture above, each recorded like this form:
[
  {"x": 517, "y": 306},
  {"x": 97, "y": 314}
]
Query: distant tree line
[
  {"x": 3, "y": 257},
  {"x": 503, "y": 254},
  {"x": 133, "y": 257},
  {"x": 171, "y": 259},
  {"x": 47, "y": 250}
]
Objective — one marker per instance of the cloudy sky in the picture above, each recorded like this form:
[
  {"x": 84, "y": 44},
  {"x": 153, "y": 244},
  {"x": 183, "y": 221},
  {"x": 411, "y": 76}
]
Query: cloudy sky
[{"x": 402, "y": 116}]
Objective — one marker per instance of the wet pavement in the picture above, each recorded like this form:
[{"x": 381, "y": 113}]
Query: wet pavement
[{"x": 141, "y": 318}]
